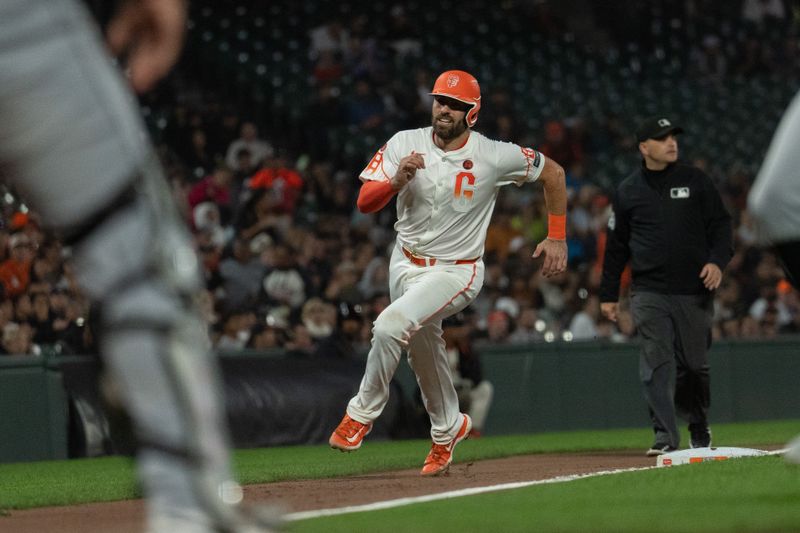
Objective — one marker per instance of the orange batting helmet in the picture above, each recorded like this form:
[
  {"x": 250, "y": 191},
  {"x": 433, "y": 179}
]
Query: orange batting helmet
[{"x": 461, "y": 86}]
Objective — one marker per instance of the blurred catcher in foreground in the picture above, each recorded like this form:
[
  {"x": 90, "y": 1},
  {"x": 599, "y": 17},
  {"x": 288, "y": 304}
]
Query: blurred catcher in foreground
[
  {"x": 73, "y": 144},
  {"x": 774, "y": 202}
]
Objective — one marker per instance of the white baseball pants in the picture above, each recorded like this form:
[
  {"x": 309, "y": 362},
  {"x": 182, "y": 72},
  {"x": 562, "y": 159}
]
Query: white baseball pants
[{"x": 421, "y": 297}]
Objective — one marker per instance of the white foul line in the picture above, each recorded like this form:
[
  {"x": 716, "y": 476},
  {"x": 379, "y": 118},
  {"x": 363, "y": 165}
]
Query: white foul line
[{"x": 399, "y": 502}]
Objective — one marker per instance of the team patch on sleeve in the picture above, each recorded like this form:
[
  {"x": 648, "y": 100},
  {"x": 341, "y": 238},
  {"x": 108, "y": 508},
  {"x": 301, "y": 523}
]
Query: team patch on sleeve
[
  {"x": 376, "y": 163},
  {"x": 533, "y": 157}
]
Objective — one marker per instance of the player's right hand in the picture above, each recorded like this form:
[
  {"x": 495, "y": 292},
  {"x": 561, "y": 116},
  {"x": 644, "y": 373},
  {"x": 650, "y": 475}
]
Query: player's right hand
[
  {"x": 609, "y": 310},
  {"x": 407, "y": 169},
  {"x": 150, "y": 32}
]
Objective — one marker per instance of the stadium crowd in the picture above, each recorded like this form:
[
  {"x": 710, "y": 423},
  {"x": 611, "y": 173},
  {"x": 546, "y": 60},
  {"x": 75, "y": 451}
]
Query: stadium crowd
[{"x": 291, "y": 264}]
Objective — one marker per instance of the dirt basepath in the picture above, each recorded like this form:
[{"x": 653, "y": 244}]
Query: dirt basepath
[{"x": 305, "y": 495}]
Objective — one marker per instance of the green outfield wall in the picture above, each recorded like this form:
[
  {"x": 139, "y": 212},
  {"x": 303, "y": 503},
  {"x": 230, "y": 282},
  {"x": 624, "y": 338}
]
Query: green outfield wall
[
  {"x": 33, "y": 410},
  {"x": 538, "y": 388},
  {"x": 564, "y": 386}
]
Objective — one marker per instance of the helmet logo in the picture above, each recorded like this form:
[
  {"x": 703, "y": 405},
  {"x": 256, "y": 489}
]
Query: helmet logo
[{"x": 452, "y": 80}]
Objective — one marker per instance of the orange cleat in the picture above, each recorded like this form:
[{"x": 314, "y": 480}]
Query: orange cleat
[
  {"x": 349, "y": 434},
  {"x": 441, "y": 455}
]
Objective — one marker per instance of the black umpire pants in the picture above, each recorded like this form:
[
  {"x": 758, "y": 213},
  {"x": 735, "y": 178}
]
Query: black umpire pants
[{"x": 675, "y": 331}]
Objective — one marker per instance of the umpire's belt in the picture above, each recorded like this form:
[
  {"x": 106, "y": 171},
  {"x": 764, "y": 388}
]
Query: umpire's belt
[{"x": 430, "y": 261}]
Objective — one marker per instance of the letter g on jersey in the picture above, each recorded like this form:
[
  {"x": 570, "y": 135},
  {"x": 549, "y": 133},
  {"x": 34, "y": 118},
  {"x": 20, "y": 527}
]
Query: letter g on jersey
[{"x": 463, "y": 191}]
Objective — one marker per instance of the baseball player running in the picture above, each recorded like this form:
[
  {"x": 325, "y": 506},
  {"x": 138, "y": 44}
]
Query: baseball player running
[
  {"x": 774, "y": 202},
  {"x": 73, "y": 143},
  {"x": 446, "y": 178}
]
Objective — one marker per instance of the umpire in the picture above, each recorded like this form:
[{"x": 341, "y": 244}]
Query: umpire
[{"x": 669, "y": 220}]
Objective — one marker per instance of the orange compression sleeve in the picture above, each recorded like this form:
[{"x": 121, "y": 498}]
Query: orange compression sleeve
[{"x": 374, "y": 195}]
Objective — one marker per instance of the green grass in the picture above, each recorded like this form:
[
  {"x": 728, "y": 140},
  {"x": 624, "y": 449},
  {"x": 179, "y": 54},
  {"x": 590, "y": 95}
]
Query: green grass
[
  {"x": 26, "y": 485},
  {"x": 755, "y": 495}
]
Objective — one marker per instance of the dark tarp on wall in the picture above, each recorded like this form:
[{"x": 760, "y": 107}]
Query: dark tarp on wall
[{"x": 270, "y": 401}]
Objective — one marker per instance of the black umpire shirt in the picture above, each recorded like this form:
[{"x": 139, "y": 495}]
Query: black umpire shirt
[{"x": 669, "y": 223}]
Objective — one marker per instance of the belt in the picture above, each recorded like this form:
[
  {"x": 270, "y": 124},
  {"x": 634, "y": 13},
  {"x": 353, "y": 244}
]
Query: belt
[{"x": 430, "y": 261}]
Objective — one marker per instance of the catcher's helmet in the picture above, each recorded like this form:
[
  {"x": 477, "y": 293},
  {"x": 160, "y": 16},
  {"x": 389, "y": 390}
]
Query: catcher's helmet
[{"x": 461, "y": 86}]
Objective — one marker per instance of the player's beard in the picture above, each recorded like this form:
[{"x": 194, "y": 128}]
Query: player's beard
[{"x": 448, "y": 132}]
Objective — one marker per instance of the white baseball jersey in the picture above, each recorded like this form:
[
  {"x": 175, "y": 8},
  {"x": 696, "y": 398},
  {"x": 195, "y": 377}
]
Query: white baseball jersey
[{"x": 444, "y": 212}]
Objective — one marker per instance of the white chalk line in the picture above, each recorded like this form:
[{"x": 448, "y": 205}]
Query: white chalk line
[{"x": 399, "y": 502}]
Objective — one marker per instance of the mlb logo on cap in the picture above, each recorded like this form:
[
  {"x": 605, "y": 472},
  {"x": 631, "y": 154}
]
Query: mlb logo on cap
[{"x": 656, "y": 128}]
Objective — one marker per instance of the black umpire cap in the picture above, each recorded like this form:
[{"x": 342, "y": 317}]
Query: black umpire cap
[{"x": 656, "y": 128}]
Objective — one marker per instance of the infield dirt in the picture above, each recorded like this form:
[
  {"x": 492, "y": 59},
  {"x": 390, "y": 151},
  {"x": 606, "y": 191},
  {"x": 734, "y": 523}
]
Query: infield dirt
[{"x": 306, "y": 495}]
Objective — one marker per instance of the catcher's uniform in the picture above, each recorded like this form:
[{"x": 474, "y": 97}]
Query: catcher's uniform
[
  {"x": 436, "y": 267},
  {"x": 72, "y": 141},
  {"x": 774, "y": 199}
]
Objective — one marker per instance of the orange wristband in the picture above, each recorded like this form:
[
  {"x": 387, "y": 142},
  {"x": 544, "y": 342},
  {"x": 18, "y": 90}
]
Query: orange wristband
[{"x": 556, "y": 227}]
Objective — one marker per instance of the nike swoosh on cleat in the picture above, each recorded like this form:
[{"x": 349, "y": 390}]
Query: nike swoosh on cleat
[{"x": 354, "y": 438}]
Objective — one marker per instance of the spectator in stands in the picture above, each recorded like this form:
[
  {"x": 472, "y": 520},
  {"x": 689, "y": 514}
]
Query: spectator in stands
[
  {"x": 266, "y": 337},
  {"x": 6, "y": 311},
  {"x": 365, "y": 108},
  {"x": 710, "y": 61},
  {"x": 245, "y": 167},
  {"x": 258, "y": 214},
  {"x": 763, "y": 13},
  {"x": 754, "y": 59},
  {"x": 404, "y": 33},
  {"x": 299, "y": 341},
  {"x": 284, "y": 282},
  {"x": 17, "y": 340},
  {"x": 498, "y": 327},
  {"x": 375, "y": 278},
  {"x": 42, "y": 320},
  {"x": 329, "y": 37},
  {"x": 424, "y": 100},
  {"x": 324, "y": 114},
  {"x": 530, "y": 222},
  {"x": 15, "y": 271},
  {"x": 346, "y": 340},
  {"x": 529, "y": 327},
  {"x": 319, "y": 318},
  {"x": 328, "y": 68},
  {"x": 559, "y": 146},
  {"x": 198, "y": 159},
  {"x": 259, "y": 148},
  {"x": 206, "y": 222},
  {"x": 236, "y": 327},
  {"x": 343, "y": 286},
  {"x": 215, "y": 188},
  {"x": 241, "y": 274},
  {"x": 583, "y": 325},
  {"x": 282, "y": 180},
  {"x": 499, "y": 236},
  {"x": 365, "y": 56}
]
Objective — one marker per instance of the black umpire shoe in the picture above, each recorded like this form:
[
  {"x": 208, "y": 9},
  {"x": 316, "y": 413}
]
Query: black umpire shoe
[
  {"x": 659, "y": 449},
  {"x": 701, "y": 437}
]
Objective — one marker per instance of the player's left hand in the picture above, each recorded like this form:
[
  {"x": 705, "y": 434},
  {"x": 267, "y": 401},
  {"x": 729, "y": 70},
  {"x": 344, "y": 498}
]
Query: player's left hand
[
  {"x": 712, "y": 276},
  {"x": 151, "y": 33},
  {"x": 555, "y": 256}
]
